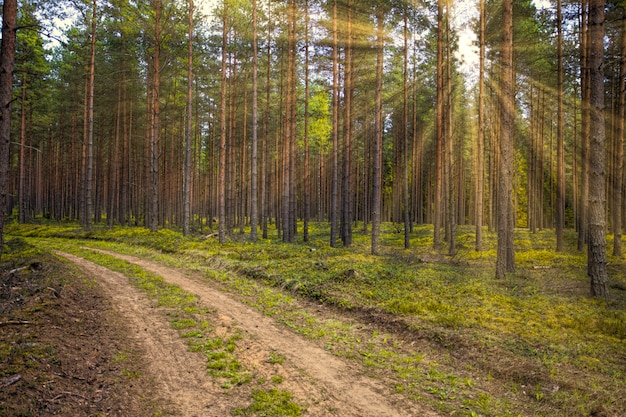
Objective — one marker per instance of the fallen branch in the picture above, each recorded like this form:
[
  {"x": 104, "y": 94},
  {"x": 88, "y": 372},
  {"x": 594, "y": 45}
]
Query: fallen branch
[
  {"x": 10, "y": 380},
  {"x": 69, "y": 394},
  {"x": 13, "y": 323}
]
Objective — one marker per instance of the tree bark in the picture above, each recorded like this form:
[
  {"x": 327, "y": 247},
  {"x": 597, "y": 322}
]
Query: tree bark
[
  {"x": 560, "y": 157},
  {"x": 334, "y": 197},
  {"x": 7, "y": 65},
  {"x": 89, "y": 133},
  {"x": 378, "y": 133},
  {"x": 505, "y": 259},
  {"x": 188, "y": 125},
  {"x": 437, "y": 217},
  {"x": 597, "y": 264},
  {"x": 405, "y": 138},
  {"x": 346, "y": 178},
  {"x": 618, "y": 198},
  {"x": 221, "y": 182},
  {"x": 307, "y": 156},
  {"x": 480, "y": 139},
  {"x": 583, "y": 209},
  {"x": 155, "y": 122}
]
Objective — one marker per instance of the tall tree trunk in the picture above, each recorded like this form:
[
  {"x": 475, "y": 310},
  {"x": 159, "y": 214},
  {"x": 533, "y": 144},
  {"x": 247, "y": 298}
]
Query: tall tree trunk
[
  {"x": 7, "y": 65},
  {"x": 221, "y": 181},
  {"x": 307, "y": 156},
  {"x": 597, "y": 265},
  {"x": 334, "y": 197},
  {"x": 89, "y": 133},
  {"x": 155, "y": 118},
  {"x": 188, "y": 125},
  {"x": 23, "y": 199},
  {"x": 438, "y": 191},
  {"x": 346, "y": 178},
  {"x": 560, "y": 149},
  {"x": 479, "y": 188},
  {"x": 619, "y": 145},
  {"x": 583, "y": 209},
  {"x": 405, "y": 145},
  {"x": 505, "y": 260},
  {"x": 378, "y": 133},
  {"x": 254, "y": 214}
]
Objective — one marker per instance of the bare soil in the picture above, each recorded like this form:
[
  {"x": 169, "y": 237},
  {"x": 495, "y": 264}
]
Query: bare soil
[
  {"x": 91, "y": 324},
  {"x": 65, "y": 351}
]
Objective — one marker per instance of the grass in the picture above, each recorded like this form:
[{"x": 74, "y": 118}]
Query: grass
[{"x": 444, "y": 330}]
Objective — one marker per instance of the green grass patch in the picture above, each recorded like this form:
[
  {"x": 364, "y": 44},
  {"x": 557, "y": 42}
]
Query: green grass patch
[{"x": 272, "y": 403}]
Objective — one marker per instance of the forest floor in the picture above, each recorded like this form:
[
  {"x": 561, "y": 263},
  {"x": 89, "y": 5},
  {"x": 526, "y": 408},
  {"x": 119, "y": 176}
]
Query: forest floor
[
  {"x": 86, "y": 342},
  {"x": 126, "y": 322}
]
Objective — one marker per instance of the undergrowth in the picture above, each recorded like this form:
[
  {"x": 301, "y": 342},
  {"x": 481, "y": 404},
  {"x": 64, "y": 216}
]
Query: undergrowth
[{"x": 442, "y": 327}]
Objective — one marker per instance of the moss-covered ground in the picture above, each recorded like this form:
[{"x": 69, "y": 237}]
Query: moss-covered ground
[{"x": 441, "y": 329}]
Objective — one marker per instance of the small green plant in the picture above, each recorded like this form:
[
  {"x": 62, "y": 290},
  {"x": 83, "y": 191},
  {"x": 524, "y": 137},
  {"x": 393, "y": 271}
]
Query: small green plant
[
  {"x": 272, "y": 403},
  {"x": 276, "y": 358}
]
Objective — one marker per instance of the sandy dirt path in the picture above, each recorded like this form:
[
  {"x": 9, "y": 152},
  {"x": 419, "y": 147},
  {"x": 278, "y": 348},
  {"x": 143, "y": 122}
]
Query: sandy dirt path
[{"x": 325, "y": 384}]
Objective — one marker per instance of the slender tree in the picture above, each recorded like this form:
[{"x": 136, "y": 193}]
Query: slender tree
[
  {"x": 583, "y": 207},
  {"x": 405, "y": 138},
  {"x": 505, "y": 260},
  {"x": 7, "y": 65},
  {"x": 596, "y": 257},
  {"x": 188, "y": 124},
  {"x": 334, "y": 194},
  {"x": 560, "y": 157},
  {"x": 378, "y": 133},
  {"x": 89, "y": 122},
  {"x": 480, "y": 138},
  {"x": 221, "y": 182},
  {"x": 439, "y": 139},
  {"x": 346, "y": 171},
  {"x": 307, "y": 152},
  {"x": 618, "y": 198},
  {"x": 254, "y": 213}
]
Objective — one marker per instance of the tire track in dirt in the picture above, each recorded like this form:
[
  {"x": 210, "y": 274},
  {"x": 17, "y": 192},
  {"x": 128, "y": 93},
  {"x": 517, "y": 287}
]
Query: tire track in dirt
[
  {"x": 337, "y": 388},
  {"x": 180, "y": 375}
]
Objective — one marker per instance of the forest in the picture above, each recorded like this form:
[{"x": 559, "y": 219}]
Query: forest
[
  {"x": 244, "y": 116},
  {"x": 429, "y": 190}
]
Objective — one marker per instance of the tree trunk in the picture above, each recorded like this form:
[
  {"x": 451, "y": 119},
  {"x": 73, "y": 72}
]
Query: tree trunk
[
  {"x": 89, "y": 132},
  {"x": 155, "y": 125},
  {"x": 188, "y": 126},
  {"x": 505, "y": 260},
  {"x": 254, "y": 214},
  {"x": 334, "y": 209},
  {"x": 597, "y": 264},
  {"x": 346, "y": 178},
  {"x": 378, "y": 133},
  {"x": 583, "y": 209},
  {"x": 619, "y": 145},
  {"x": 23, "y": 202},
  {"x": 437, "y": 217},
  {"x": 480, "y": 139},
  {"x": 405, "y": 144},
  {"x": 307, "y": 156},
  {"x": 560, "y": 157},
  {"x": 7, "y": 65},
  {"x": 221, "y": 181}
]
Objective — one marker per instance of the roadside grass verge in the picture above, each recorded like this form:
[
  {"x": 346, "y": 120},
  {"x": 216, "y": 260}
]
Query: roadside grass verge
[{"x": 441, "y": 328}]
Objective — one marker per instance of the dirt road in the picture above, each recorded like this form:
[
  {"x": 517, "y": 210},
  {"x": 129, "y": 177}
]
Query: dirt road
[{"x": 324, "y": 384}]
